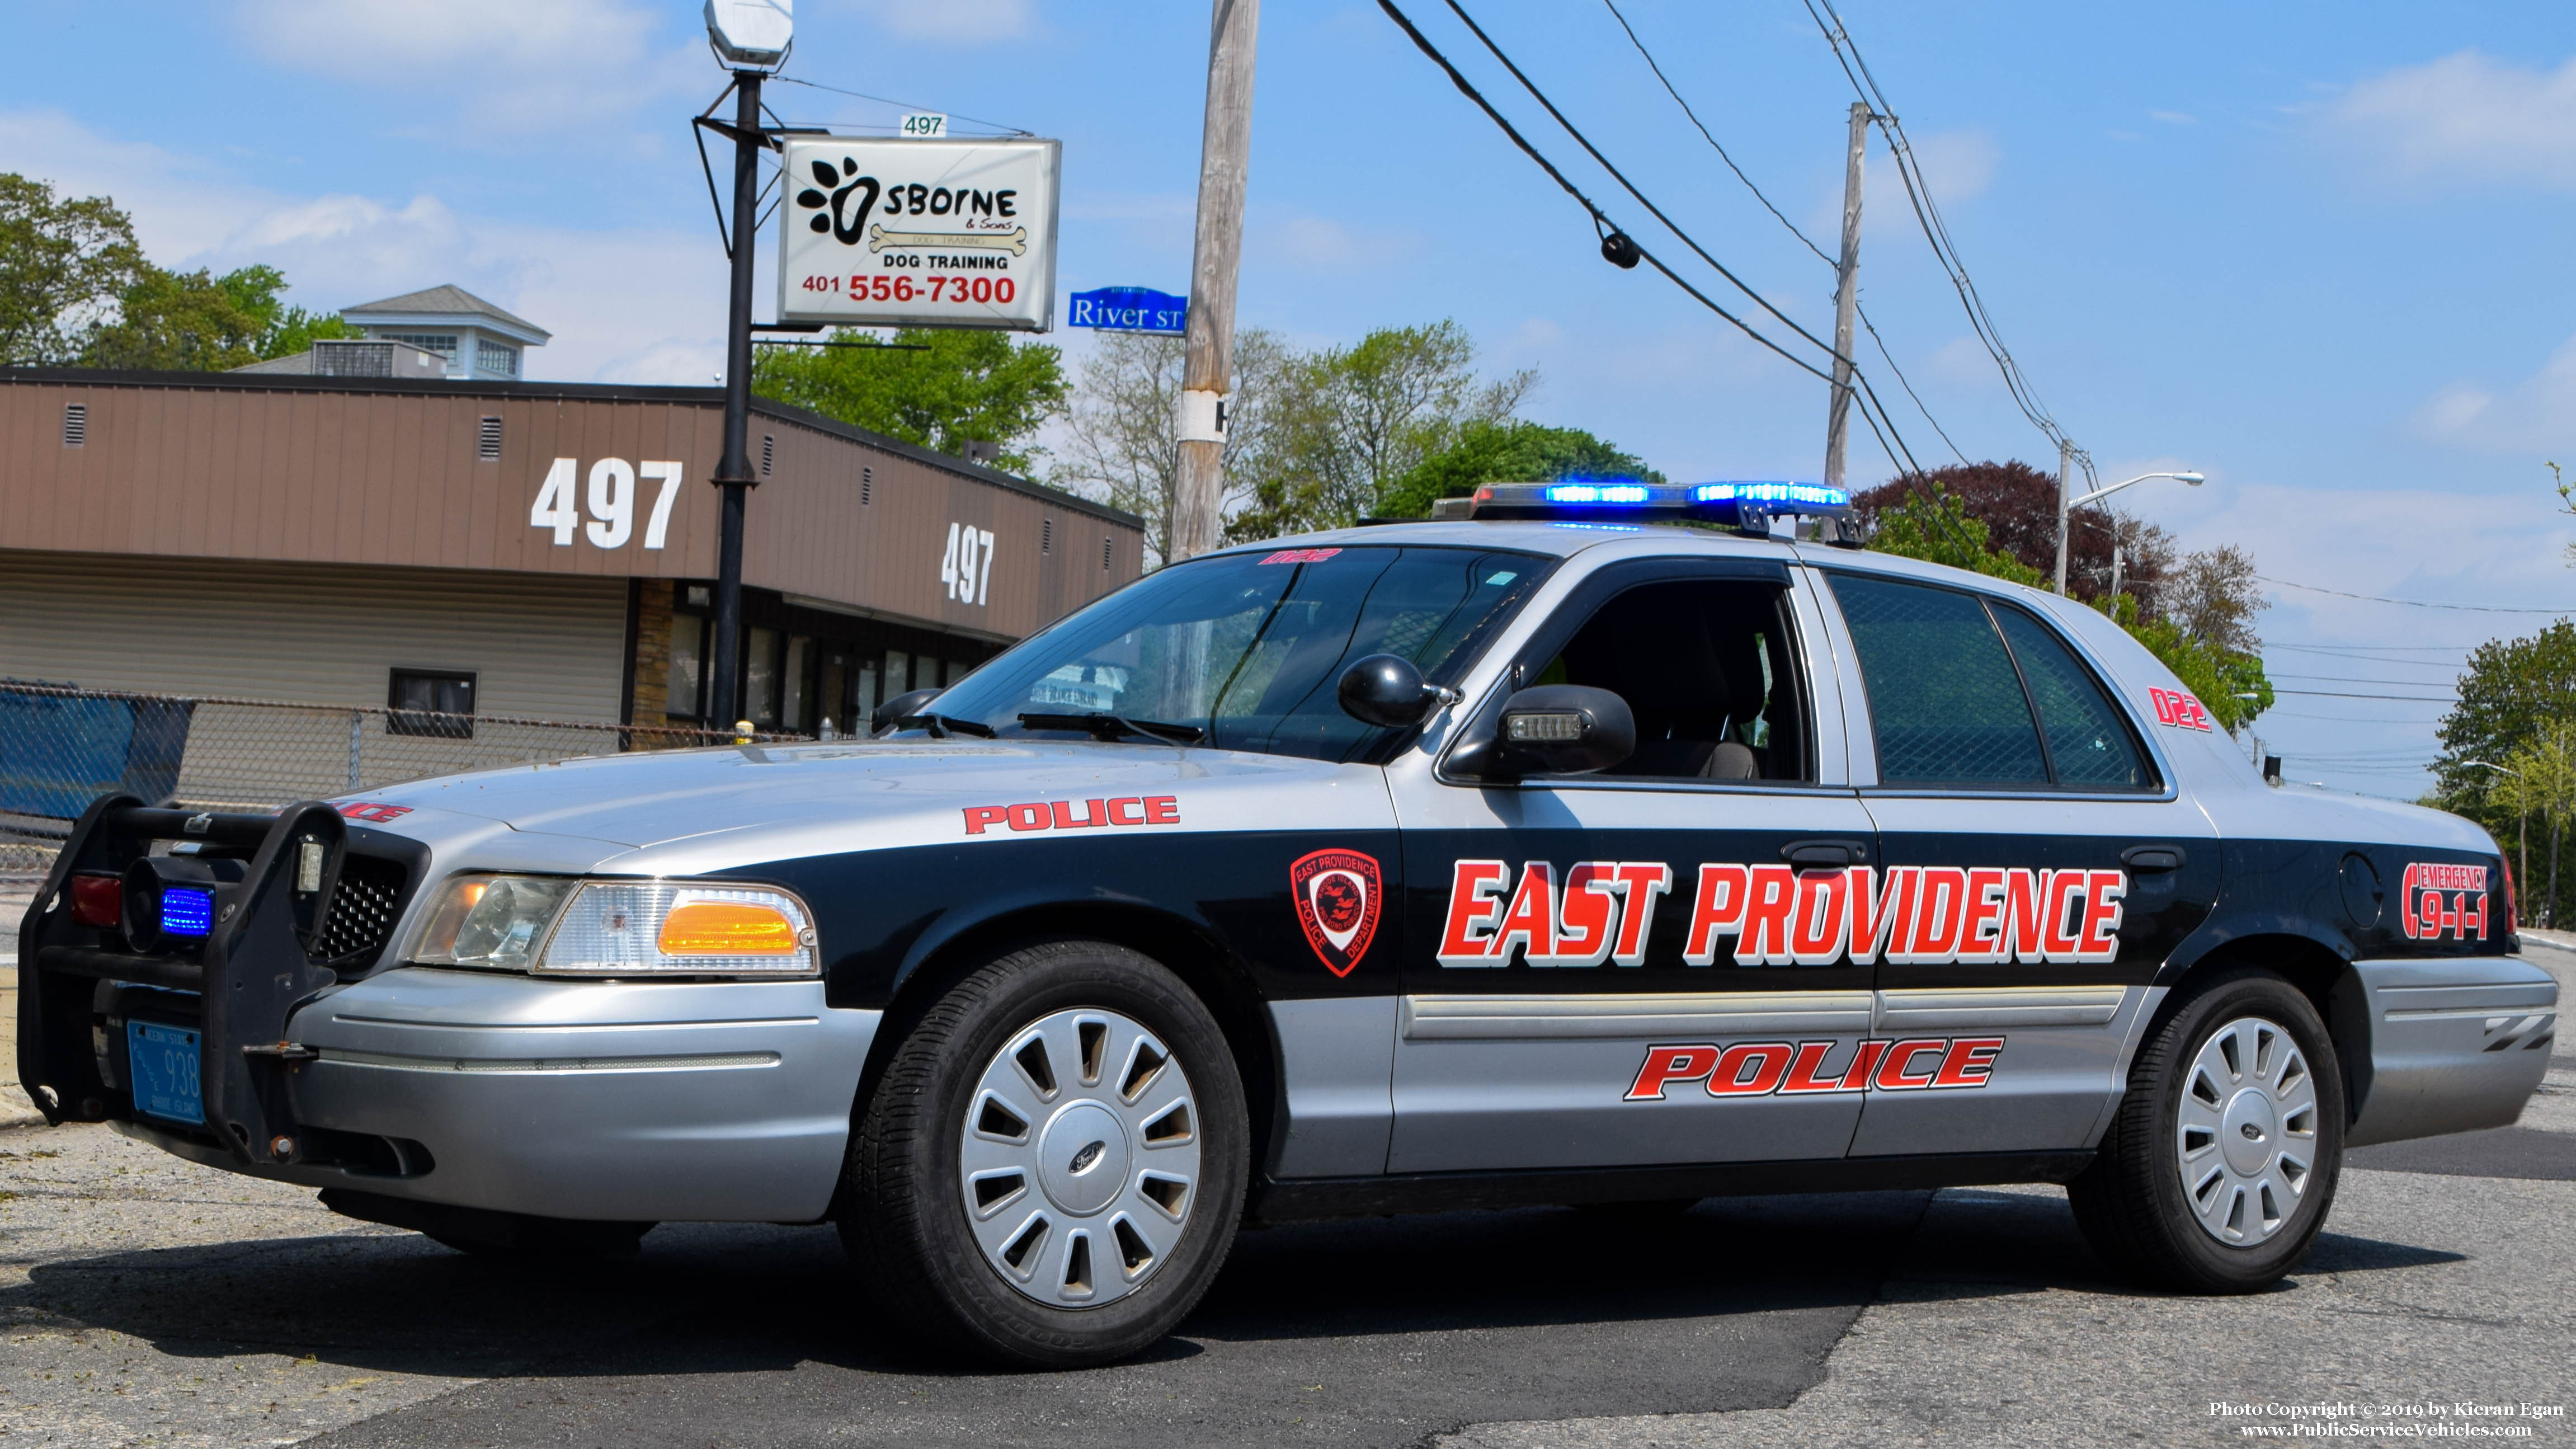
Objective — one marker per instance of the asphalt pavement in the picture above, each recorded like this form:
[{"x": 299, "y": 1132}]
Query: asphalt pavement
[{"x": 147, "y": 1301}]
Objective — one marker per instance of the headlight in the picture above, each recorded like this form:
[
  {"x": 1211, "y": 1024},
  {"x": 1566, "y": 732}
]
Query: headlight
[{"x": 618, "y": 928}]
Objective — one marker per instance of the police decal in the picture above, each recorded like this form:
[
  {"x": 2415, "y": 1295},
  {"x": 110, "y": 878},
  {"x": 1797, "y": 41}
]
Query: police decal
[
  {"x": 1338, "y": 898},
  {"x": 1779, "y": 1068}
]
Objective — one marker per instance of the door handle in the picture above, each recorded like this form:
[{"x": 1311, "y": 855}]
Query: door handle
[
  {"x": 1824, "y": 854},
  {"x": 2148, "y": 859}
]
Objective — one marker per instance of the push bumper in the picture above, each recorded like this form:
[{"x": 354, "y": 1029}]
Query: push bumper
[{"x": 2455, "y": 1045}]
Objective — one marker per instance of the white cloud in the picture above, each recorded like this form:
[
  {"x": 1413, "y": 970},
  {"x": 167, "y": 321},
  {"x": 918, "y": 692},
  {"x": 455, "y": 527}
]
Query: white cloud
[
  {"x": 494, "y": 69},
  {"x": 2466, "y": 116},
  {"x": 340, "y": 250},
  {"x": 2174, "y": 118},
  {"x": 1320, "y": 243},
  {"x": 1963, "y": 360},
  {"x": 955, "y": 22},
  {"x": 2535, "y": 415},
  {"x": 1957, "y": 164}
]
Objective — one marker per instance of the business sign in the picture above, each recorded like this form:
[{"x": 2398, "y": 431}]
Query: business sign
[
  {"x": 1130, "y": 309},
  {"x": 897, "y": 232}
]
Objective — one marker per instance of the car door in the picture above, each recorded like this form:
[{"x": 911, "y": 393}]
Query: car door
[
  {"x": 2042, "y": 862},
  {"x": 1626, "y": 968}
]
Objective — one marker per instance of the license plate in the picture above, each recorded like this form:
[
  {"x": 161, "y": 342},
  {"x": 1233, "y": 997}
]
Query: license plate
[{"x": 164, "y": 1063}]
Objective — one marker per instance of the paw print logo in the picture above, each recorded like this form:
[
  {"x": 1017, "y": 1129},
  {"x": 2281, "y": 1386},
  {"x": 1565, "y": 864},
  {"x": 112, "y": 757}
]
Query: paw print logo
[{"x": 829, "y": 200}]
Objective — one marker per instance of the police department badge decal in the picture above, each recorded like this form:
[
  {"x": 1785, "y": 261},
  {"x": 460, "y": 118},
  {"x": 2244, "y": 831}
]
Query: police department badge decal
[{"x": 1337, "y": 902}]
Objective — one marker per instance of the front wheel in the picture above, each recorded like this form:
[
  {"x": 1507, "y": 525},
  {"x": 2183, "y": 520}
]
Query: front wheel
[
  {"x": 1050, "y": 1170},
  {"x": 2217, "y": 1172}
]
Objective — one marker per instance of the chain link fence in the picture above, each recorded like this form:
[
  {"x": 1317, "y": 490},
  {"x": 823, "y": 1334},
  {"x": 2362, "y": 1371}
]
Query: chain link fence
[{"x": 62, "y": 747}]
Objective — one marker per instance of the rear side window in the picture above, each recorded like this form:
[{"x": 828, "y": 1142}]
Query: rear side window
[{"x": 1951, "y": 702}]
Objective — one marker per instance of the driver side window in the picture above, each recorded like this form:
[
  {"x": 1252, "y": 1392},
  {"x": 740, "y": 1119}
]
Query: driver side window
[{"x": 1708, "y": 669}]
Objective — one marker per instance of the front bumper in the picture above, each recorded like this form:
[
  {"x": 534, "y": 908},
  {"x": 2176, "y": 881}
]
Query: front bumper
[
  {"x": 626, "y": 1101},
  {"x": 2455, "y": 1044}
]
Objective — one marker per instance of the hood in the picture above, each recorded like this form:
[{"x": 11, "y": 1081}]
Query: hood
[{"x": 707, "y": 809}]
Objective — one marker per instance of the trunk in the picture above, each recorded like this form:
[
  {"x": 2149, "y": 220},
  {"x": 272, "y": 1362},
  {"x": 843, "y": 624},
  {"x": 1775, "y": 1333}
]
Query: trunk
[{"x": 2557, "y": 829}]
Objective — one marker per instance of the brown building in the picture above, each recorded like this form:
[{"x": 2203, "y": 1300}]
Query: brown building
[{"x": 541, "y": 550}]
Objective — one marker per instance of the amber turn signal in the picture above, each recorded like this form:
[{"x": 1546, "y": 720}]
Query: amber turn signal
[{"x": 727, "y": 928}]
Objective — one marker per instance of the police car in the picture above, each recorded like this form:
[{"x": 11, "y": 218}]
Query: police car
[{"x": 1549, "y": 854}]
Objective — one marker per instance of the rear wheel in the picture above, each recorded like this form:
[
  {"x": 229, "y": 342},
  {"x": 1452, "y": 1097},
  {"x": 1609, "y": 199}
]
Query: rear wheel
[
  {"x": 1050, "y": 1170},
  {"x": 2218, "y": 1171}
]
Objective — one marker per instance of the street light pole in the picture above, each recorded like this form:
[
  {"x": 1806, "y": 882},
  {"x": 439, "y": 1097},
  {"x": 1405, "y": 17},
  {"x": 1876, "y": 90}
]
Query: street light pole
[
  {"x": 733, "y": 466},
  {"x": 2066, "y": 505}
]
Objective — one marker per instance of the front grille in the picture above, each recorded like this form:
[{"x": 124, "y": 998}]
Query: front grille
[{"x": 363, "y": 911}]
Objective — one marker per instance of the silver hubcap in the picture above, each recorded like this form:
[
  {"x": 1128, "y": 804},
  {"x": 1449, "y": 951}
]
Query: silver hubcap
[
  {"x": 1080, "y": 1157},
  {"x": 2247, "y": 1134}
]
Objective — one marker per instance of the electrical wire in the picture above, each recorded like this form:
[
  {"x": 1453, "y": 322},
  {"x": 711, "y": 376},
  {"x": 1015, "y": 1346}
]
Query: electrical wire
[
  {"x": 1927, "y": 215},
  {"x": 1873, "y": 414},
  {"x": 1902, "y": 380},
  {"x": 2414, "y": 603},
  {"x": 2382, "y": 698},
  {"x": 902, "y": 105}
]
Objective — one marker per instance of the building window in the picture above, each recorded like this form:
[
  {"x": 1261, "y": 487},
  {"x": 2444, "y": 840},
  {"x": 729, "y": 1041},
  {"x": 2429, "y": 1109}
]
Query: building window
[
  {"x": 487, "y": 441},
  {"x": 688, "y": 669},
  {"x": 898, "y": 674},
  {"x": 434, "y": 702},
  {"x": 499, "y": 359},
  {"x": 760, "y": 677},
  {"x": 442, "y": 343},
  {"x": 75, "y": 424},
  {"x": 700, "y": 597},
  {"x": 800, "y": 654}
]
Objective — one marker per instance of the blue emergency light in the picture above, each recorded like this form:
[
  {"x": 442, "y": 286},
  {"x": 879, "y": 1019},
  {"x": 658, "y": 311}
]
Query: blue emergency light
[
  {"x": 186, "y": 911},
  {"x": 1749, "y": 506}
]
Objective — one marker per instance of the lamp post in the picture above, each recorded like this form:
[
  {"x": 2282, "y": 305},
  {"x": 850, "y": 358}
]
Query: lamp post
[
  {"x": 2522, "y": 816},
  {"x": 2066, "y": 505},
  {"x": 750, "y": 38}
]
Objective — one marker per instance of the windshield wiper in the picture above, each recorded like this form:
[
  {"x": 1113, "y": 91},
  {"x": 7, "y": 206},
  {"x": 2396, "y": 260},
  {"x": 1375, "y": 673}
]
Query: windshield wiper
[
  {"x": 1111, "y": 726},
  {"x": 941, "y": 726}
]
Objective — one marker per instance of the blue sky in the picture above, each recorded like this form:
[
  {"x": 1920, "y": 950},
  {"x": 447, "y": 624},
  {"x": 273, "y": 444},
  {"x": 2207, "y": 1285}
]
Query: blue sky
[{"x": 2320, "y": 252}]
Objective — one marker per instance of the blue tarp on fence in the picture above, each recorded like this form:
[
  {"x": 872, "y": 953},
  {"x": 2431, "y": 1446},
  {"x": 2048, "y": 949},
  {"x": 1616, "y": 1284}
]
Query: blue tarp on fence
[{"x": 58, "y": 752}]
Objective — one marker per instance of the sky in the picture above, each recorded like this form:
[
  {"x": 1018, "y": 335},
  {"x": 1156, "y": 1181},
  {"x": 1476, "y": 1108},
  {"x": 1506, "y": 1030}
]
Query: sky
[{"x": 2319, "y": 252}]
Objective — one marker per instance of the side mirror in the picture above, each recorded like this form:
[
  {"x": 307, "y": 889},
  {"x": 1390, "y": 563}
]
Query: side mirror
[
  {"x": 899, "y": 706},
  {"x": 1385, "y": 689},
  {"x": 1564, "y": 729}
]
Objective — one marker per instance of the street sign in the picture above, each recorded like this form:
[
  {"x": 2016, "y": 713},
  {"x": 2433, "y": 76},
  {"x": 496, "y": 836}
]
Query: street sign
[
  {"x": 899, "y": 232},
  {"x": 1130, "y": 309}
]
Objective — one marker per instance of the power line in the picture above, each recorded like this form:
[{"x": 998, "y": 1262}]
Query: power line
[
  {"x": 2413, "y": 603},
  {"x": 2382, "y": 698},
  {"x": 1928, "y": 216},
  {"x": 1803, "y": 238}
]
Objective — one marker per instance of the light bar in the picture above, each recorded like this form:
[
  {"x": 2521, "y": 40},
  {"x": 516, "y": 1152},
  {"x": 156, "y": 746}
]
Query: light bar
[
  {"x": 187, "y": 912},
  {"x": 1746, "y": 505}
]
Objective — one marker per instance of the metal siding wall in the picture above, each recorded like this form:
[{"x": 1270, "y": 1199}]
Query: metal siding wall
[{"x": 541, "y": 646}]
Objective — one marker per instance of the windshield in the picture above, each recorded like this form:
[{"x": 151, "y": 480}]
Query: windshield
[{"x": 1242, "y": 651}]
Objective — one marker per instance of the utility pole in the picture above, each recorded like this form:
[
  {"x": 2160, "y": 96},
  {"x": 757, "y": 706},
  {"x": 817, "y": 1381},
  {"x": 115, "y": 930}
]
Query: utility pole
[
  {"x": 1846, "y": 299},
  {"x": 1224, "y": 146},
  {"x": 2065, "y": 491},
  {"x": 733, "y": 466}
]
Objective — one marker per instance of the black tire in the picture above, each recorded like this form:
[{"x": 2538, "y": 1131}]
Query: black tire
[
  {"x": 904, "y": 1214},
  {"x": 2134, "y": 1204}
]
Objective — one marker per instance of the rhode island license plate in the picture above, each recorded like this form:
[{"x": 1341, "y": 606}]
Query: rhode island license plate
[{"x": 164, "y": 1060}]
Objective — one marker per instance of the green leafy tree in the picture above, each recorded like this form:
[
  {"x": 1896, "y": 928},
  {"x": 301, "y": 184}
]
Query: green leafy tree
[
  {"x": 961, "y": 387},
  {"x": 1348, "y": 422},
  {"x": 285, "y": 330},
  {"x": 64, "y": 265},
  {"x": 1510, "y": 450},
  {"x": 2225, "y": 672},
  {"x": 2516, "y": 696},
  {"x": 182, "y": 322}
]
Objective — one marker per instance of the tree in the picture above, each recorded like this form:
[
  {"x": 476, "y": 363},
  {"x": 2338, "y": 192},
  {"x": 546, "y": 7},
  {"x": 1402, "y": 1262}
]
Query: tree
[
  {"x": 2515, "y": 695},
  {"x": 2225, "y": 674},
  {"x": 959, "y": 387},
  {"x": 180, "y": 322},
  {"x": 2566, "y": 504},
  {"x": 1119, "y": 441},
  {"x": 2018, "y": 505},
  {"x": 1506, "y": 451},
  {"x": 64, "y": 263},
  {"x": 2214, "y": 596},
  {"x": 1347, "y": 422},
  {"x": 2544, "y": 770}
]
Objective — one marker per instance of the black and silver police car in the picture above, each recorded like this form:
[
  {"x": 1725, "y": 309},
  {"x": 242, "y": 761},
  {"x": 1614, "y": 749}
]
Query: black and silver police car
[{"x": 1547, "y": 855}]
